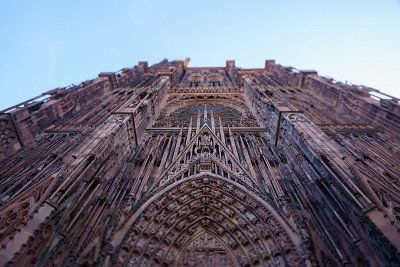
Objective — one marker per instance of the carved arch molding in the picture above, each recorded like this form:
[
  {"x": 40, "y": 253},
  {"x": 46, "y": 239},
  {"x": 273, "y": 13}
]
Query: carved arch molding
[{"x": 207, "y": 220}]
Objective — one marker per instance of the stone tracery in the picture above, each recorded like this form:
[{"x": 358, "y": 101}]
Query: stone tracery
[
  {"x": 220, "y": 166},
  {"x": 205, "y": 203}
]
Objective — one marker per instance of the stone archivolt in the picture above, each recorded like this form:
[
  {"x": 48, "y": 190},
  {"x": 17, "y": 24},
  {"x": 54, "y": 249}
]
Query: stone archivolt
[
  {"x": 249, "y": 233},
  {"x": 219, "y": 166}
]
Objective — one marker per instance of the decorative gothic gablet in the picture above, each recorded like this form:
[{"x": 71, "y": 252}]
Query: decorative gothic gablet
[{"x": 214, "y": 166}]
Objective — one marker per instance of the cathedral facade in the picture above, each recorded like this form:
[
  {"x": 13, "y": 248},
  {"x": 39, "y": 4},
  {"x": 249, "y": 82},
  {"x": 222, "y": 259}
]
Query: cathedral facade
[{"x": 201, "y": 166}]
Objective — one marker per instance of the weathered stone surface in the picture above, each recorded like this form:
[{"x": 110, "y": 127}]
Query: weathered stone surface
[{"x": 214, "y": 166}]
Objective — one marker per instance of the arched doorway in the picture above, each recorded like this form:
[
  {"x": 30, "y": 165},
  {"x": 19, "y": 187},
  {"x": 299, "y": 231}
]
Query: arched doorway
[{"x": 206, "y": 220}]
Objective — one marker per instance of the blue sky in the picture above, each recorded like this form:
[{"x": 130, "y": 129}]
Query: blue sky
[{"x": 48, "y": 44}]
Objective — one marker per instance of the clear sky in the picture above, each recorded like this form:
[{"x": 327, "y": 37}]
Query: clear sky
[{"x": 48, "y": 44}]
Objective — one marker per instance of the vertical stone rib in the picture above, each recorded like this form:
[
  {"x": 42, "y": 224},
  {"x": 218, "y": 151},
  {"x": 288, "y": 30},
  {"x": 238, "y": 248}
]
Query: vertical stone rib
[
  {"x": 164, "y": 157},
  {"x": 205, "y": 115},
  {"x": 221, "y": 131},
  {"x": 198, "y": 123},
  {"x": 178, "y": 143},
  {"x": 231, "y": 138},
  {"x": 247, "y": 157},
  {"x": 189, "y": 133},
  {"x": 212, "y": 123}
]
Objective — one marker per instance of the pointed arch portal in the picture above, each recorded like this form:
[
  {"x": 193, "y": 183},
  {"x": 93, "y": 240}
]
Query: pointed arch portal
[{"x": 206, "y": 219}]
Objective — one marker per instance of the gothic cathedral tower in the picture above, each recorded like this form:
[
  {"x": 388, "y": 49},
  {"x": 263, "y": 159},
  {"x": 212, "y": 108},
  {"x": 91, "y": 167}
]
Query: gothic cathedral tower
[{"x": 201, "y": 166}]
